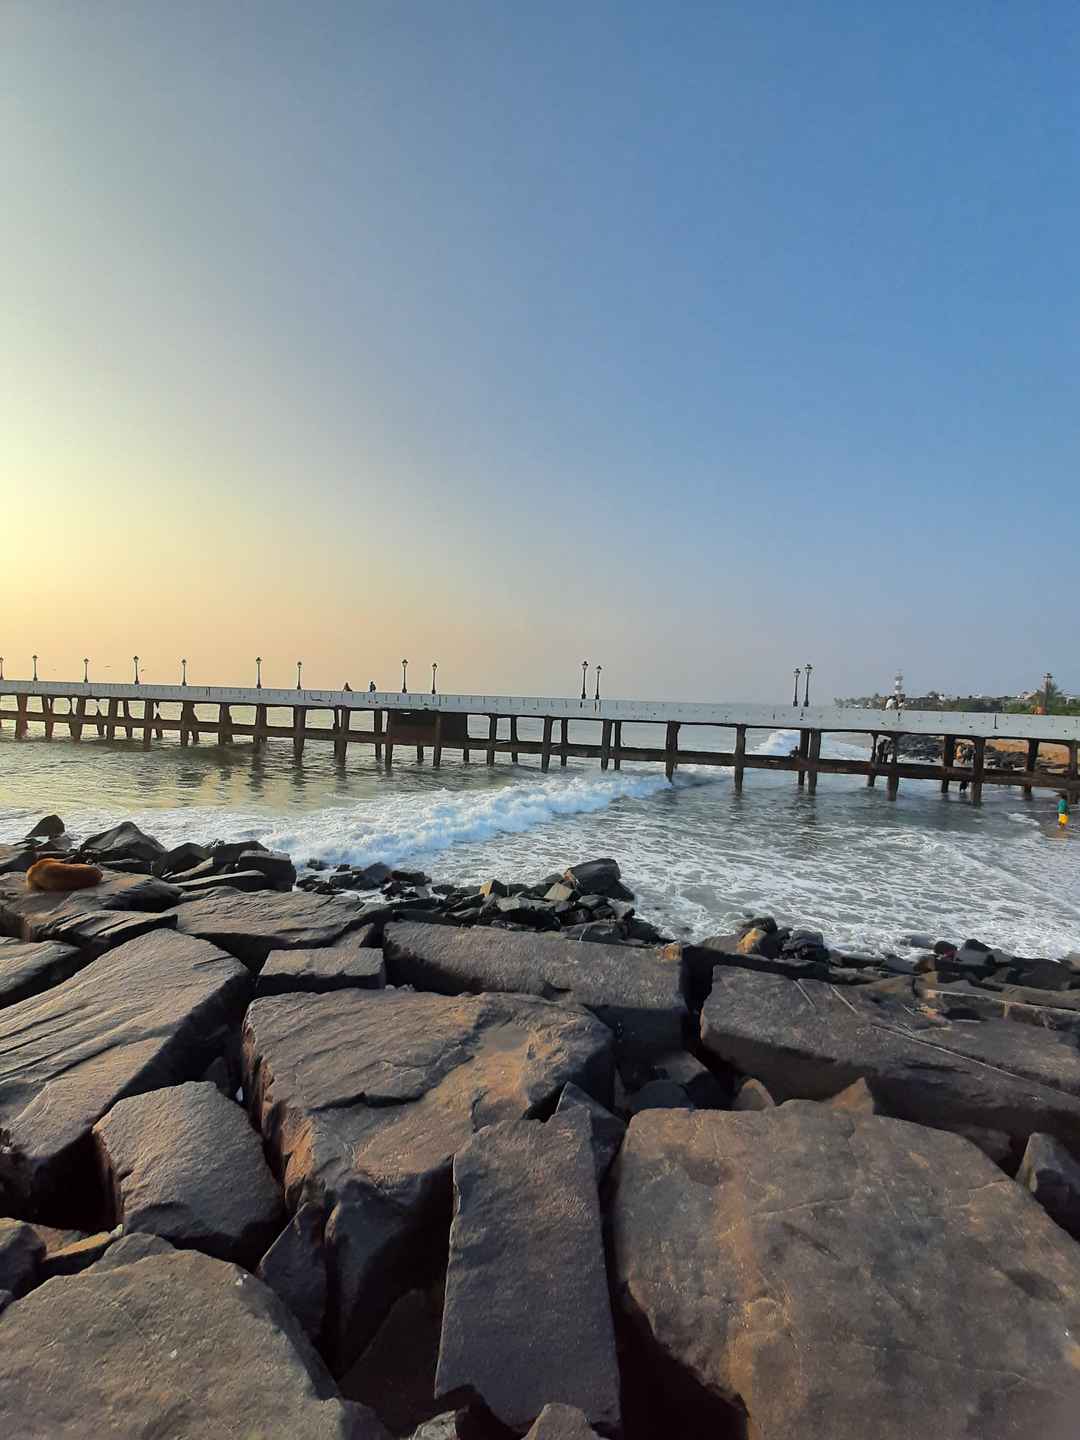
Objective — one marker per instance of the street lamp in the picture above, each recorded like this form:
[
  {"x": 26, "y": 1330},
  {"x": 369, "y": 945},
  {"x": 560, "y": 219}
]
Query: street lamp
[
  {"x": 34, "y": 658},
  {"x": 798, "y": 672},
  {"x": 258, "y": 672},
  {"x": 806, "y": 697},
  {"x": 85, "y": 671},
  {"x": 299, "y": 667},
  {"x": 598, "y": 669},
  {"x": 135, "y": 660},
  {"x": 434, "y": 667},
  {"x": 183, "y": 672},
  {"x": 404, "y": 677},
  {"x": 584, "y": 667},
  {"x": 1048, "y": 680}
]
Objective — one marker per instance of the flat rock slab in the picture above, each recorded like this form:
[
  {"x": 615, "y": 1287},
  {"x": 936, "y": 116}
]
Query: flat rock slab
[
  {"x": 364, "y": 1097},
  {"x": 633, "y": 990},
  {"x": 173, "y": 1343},
  {"x": 527, "y": 1318},
  {"x": 150, "y": 1013},
  {"x": 840, "y": 1276},
  {"x": 349, "y": 965},
  {"x": 27, "y": 969},
  {"x": 561, "y": 1422},
  {"x": 805, "y": 1040},
  {"x": 121, "y": 908},
  {"x": 251, "y": 926},
  {"x": 185, "y": 1164}
]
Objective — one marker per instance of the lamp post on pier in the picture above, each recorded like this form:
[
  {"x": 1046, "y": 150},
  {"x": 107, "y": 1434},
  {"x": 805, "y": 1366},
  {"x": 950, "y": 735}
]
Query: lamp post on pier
[
  {"x": 404, "y": 677},
  {"x": 584, "y": 668},
  {"x": 434, "y": 667},
  {"x": 299, "y": 668},
  {"x": 183, "y": 672},
  {"x": 806, "y": 697},
  {"x": 598, "y": 669},
  {"x": 86, "y": 670},
  {"x": 1048, "y": 682},
  {"x": 34, "y": 658},
  {"x": 258, "y": 672},
  {"x": 135, "y": 662},
  {"x": 795, "y": 698}
]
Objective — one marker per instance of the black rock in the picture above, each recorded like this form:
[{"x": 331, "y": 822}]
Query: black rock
[
  {"x": 47, "y": 828},
  {"x": 228, "y": 852},
  {"x": 251, "y": 926},
  {"x": 527, "y": 1224},
  {"x": 597, "y": 877},
  {"x": 410, "y": 877},
  {"x": 181, "y": 858},
  {"x": 658, "y": 1095},
  {"x": 561, "y": 1422},
  {"x": 273, "y": 864},
  {"x": 353, "y": 963},
  {"x": 1053, "y": 1177},
  {"x": 702, "y": 1087},
  {"x": 27, "y": 969},
  {"x": 21, "y": 1253},
  {"x": 607, "y": 1129},
  {"x": 122, "y": 842},
  {"x": 295, "y": 1268},
  {"x": 249, "y": 881},
  {"x": 185, "y": 1164}
]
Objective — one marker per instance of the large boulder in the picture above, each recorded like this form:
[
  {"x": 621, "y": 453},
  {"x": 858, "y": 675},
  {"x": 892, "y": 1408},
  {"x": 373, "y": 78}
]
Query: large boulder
[
  {"x": 606, "y": 1130},
  {"x": 803, "y": 1271},
  {"x": 1053, "y": 1177},
  {"x": 809, "y": 1041},
  {"x": 116, "y": 910},
  {"x": 122, "y": 842},
  {"x": 251, "y": 926},
  {"x": 185, "y": 1164},
  {"x": 295, "y": 1268},
  {"x": 27, "y": 969},
  {"x": 598, "y": 877},
  {"x": 150, "y": 1013},
  {"x": 634, "y": 991},
  {"x": 349, "y": 965},
  {"x": 527, "y": 1318},
  {"x": 21, "y": 1252},
  {"x": 364, "y": 1097},
  {"x": 561, "y": 1422},
  {"x": 156, "y": 1341}
]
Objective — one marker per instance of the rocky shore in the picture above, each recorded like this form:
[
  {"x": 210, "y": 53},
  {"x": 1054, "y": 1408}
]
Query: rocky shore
[{"x": 291, "y": 1150}]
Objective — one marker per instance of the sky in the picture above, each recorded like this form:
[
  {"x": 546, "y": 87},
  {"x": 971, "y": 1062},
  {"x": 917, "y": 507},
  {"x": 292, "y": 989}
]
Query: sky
[{"x": 698, "y": 340}]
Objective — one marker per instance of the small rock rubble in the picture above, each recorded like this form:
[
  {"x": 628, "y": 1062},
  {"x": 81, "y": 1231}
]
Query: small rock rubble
[{"x": 348, "y": 1153}]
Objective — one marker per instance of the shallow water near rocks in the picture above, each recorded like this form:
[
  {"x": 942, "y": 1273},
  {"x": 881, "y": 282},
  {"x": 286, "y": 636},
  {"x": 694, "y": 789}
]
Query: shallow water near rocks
[{"x": 865, "y": 870}]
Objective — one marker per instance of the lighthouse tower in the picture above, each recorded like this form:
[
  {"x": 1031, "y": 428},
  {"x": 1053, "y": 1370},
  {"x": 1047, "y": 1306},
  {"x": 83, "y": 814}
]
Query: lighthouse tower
[{"x": 898, "y": 690}]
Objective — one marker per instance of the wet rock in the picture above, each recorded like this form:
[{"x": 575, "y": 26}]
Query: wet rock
[
  {"x": 364, "y": 1097},
  {"x": 17, "y": 859},
  {"x": 607, "y": 1129},
  {"x": 351, "y": 964},
  {"x": 47, "y": 828},
  {"x": 811, "y": 1041},
  {"x": 150, "y": 1332},
  {"x": 27, "y": 969},
  {"x": 872, "y": 1259},
  {"x": 635, "y": 992},
  {"x": 249, "y": 881},
  {"x": 224, "y": 853},
  {"x": 180, "y": 858},
  {"x": 1053, "y": 1177},
  {"x": 122, "y": 842},
  {"x": 597, "y": 877},
  {"x": 534, "y": 914},
  {"x": 150, "y": 1013},
  {"x": 295, "y": 1268},
  {"x": 274, "y": 865},
  {"x": 410, "y": 877},
  {"x": 21, "y": 1253},
  {"x": 526, "y": 1224},
  {"x": 251, "y": 926},
  {"x": 185, "y": 1164}
]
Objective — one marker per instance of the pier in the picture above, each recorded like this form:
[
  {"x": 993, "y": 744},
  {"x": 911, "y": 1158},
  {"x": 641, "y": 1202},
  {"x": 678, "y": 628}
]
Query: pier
[{"x": 481, "y": 728}]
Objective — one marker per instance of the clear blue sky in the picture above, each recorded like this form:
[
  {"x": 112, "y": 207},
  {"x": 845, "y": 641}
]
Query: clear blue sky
[{"x": 697, "y": 339}]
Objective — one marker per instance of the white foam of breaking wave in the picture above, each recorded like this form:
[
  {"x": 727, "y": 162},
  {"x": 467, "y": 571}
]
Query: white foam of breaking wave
[{"x": 412, "y": 825}]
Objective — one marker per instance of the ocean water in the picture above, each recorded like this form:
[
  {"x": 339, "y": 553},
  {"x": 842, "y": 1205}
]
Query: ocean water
[{"x": 848, "y": 861}]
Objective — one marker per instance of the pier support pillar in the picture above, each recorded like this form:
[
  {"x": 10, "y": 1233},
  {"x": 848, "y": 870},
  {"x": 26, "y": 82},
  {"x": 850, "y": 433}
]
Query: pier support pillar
[
  {"x": 129, "y": 729},
  {"x": 740, "y": 757},
  {"x": 258, "y": 740},
  {"x": 299, "y": 725},
  {"x": 545, "y": 751},
  {"x": 618, "y": 745},
  {"x": 465, "y": 755},
  {"x": 110, "y": 726},
  {"x": 419, "y": 754},
  {"x": 377, "y": 721},
  {"x": 148, "y": 723},
  {"x": 513, "y": 738},
  {"x": 436, "y": 753},
  {"x": 493, "y": 730},
  {"x": 813, "y": 754},
  {"x": 1071, "y": 773},
  {"x": 893, "y": 787},
  {"x": 671, "y": 749},
  {"x": 389, "y": 740},
  {"x": 47, "y": 703},
  {"x": 564, "y": 740},
  {"x": 22, "y": 723},
  {"x": 225, "y": 730},
  {"x": 804, "y": 751},
  {"x": 948, "y": 759},
  {"x": 185, "y": 723},
  {"x": 871, "y": 774},
  {"x": 978, "y": 764},
  {"x": 99, "y": 719},
  {"x": 605, "y": 744},
  {"x": 1032, "y": 764},
  {"x": 80, "y": 718},
  {"x": 343, "y": 718}
]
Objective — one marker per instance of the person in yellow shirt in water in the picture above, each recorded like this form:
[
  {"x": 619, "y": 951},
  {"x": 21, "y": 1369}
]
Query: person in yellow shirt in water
[{"x": 1063, "y": 811}]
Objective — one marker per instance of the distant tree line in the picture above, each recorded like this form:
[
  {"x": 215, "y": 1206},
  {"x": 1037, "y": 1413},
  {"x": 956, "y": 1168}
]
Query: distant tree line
[{"x": 1059, "y": 703}]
